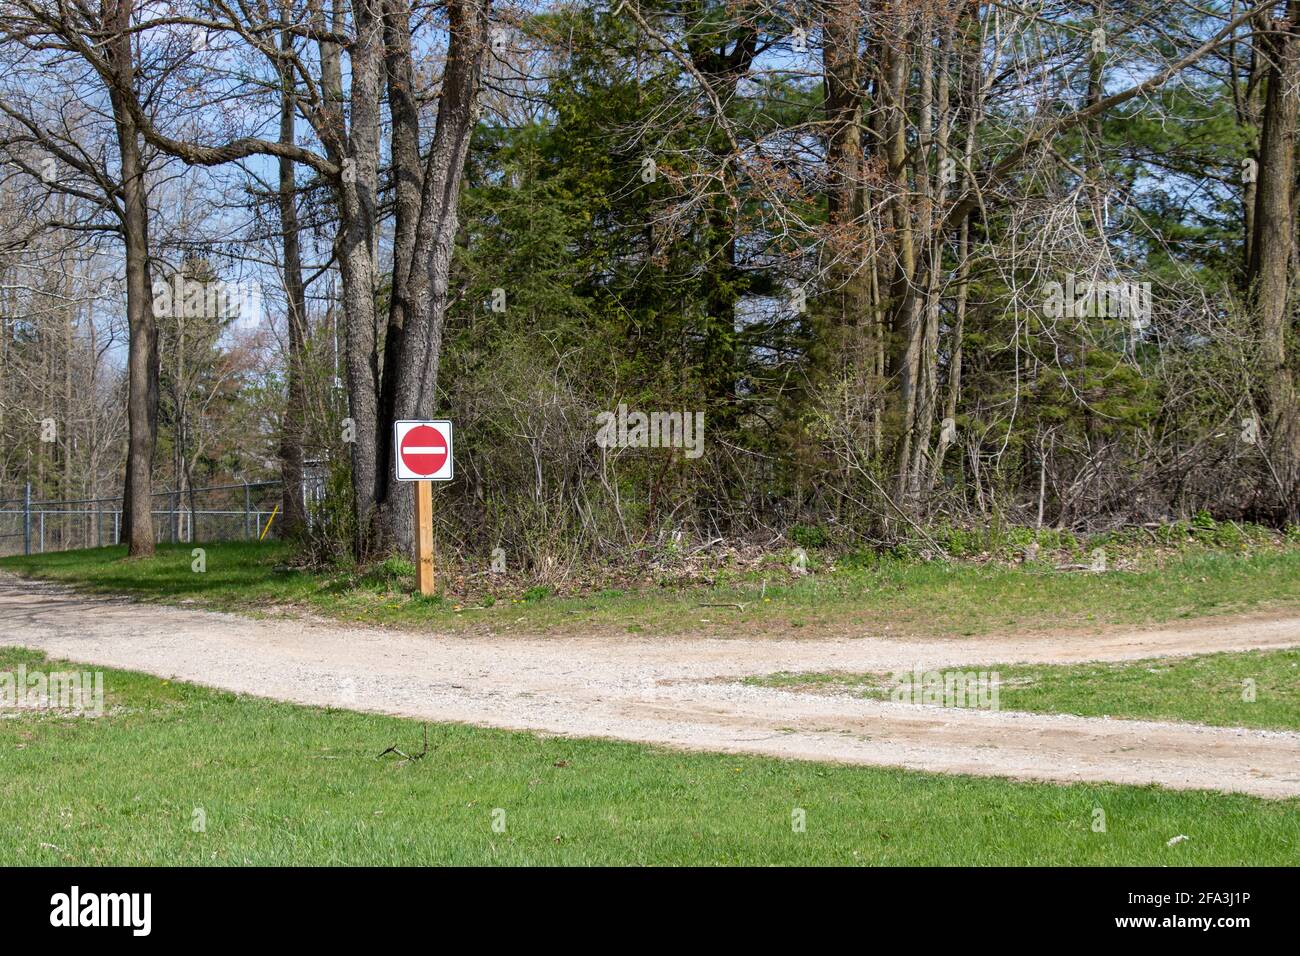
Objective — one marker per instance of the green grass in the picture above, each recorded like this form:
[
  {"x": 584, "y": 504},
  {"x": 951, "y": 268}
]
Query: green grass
[
  {"x": 887, "y": 596},
  {"x": 1209, "y": 689},
  {"x": 280, "y": 784}
]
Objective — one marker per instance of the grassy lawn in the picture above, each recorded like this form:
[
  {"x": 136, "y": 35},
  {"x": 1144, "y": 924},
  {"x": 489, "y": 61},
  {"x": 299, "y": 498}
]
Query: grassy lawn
[
  {"x": 886, "y": 596},
  {"x": 281, "y": 784},
  {"x": 1207, "y": 689}
]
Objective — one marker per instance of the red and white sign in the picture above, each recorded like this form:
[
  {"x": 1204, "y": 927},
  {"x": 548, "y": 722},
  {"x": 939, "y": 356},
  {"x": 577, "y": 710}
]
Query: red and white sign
[{"x": 423, "y": 451}]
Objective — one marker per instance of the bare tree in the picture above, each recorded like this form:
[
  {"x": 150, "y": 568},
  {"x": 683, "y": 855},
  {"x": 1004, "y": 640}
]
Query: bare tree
[{"x": 54, "y": 38}]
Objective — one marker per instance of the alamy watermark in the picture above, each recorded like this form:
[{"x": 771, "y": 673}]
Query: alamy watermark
[
  {"x": 1090, "y": 299},
  {"x": 186, "y": 298},
  {"x": 974, "y": 689},
  {"x": 624, "y": 429},
  {"x": 72, "y": 692},
  {"x": 130, "y": 910}
]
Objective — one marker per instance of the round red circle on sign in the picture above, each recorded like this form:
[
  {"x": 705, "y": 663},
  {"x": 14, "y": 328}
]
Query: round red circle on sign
[{"x": 424, "y": 449}]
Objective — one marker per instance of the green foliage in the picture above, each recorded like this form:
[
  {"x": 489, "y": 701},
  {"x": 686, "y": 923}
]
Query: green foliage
[
  {"x": 393, "y": 573},
  {"x": 809, "y": 536},
  {"x": 1200, "y": 533},
  {"x": 333, "y": 519},
  {"x": 1006, "y": 542},
  {"x": 1204, "y": 521}
]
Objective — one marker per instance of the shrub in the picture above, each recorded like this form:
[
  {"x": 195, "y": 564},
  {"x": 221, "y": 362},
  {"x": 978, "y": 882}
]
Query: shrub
[{"x": 809, "y": 536}]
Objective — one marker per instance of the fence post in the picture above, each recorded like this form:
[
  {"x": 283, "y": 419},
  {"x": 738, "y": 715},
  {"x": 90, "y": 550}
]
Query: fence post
[
  {"x": 27, "y": 518},
  {"x": 99, "y": 525},
  {"x": 247, "y": 510},
  {"x": 171, "y": 499}
]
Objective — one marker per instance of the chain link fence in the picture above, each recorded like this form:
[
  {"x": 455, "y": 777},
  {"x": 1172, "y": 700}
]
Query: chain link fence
[{"x": 238, "y": 512}]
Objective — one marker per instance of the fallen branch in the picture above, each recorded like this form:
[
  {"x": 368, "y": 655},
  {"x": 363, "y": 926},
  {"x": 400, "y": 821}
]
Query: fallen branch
[
  {"x": 705, "y": 546},
  {"x": 411, "y": 757}
]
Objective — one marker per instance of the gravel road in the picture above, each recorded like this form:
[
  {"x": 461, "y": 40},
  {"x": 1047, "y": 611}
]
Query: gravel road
[{"x": 684, "y": 692}]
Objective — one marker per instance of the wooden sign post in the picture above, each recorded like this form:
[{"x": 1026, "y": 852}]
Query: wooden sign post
[
  {"x": 424, "y": 572},
  {"x": 423, "y": 457}
]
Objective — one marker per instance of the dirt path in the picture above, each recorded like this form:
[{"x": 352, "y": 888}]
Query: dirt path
[{"x": 683, "y": 692}]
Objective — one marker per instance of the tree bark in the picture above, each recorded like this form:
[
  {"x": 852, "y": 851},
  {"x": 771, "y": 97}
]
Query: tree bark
[
  {"x": 356, "y": 191},
  {"x": 415, "y": 394},
  {"x": 407, "y": 283},
  {"x": 905, "y": 312},
  {"x": 1272, "y": 258},
  {"x": 142, "y": 352},
  {"x": 846, "y": 272},
  {"x": 292, "y": 507}
]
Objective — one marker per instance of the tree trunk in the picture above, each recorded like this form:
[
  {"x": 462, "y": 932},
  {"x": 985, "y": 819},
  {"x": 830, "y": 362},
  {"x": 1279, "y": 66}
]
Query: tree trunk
[
  {"x": 905, "y": 312},
  {"x": 1249, "y": 107},
  {"x": 1272, "y": 254},
  {"x": 356, "y": 193},
  {"x": 408, "y": 282},
  {"x": 142, "y": 352},
  {"x": 415, "y": 394},
  {"x": 846, "y": 271},
  {"x": 292, "y": 508}
]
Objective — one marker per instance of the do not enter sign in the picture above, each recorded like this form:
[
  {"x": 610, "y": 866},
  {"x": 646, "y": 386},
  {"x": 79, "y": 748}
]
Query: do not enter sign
[{"x": 423, "y": 451}]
